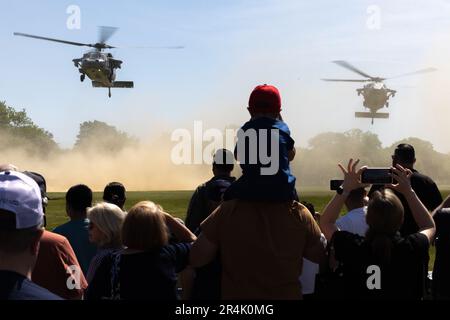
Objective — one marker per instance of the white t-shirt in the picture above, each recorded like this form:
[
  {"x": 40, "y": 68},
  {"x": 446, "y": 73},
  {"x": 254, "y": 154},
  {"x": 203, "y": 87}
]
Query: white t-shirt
[
  {"x": 354, "y": 221},
  {"x": 309, "y": 272},
  {"x": 308, "y": 276}
]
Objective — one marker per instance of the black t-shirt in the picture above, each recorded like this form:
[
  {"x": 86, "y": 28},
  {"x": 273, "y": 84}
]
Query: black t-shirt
[
  {"x": 441, "y": 270},
  {"x": 403, "y": 278},
  {"x": 205, "y": 200},
  {"x": 426, "y": 190},
  {"x": 150, "y": 275},
  {"x": 14, "y": 286}
]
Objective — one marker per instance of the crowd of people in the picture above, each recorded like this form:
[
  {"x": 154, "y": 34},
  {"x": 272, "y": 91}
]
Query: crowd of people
[{"x": 243, "y": 239}]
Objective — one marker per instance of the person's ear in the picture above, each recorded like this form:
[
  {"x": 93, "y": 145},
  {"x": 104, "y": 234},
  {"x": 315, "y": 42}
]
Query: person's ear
[{"x": 34, "y": 248}]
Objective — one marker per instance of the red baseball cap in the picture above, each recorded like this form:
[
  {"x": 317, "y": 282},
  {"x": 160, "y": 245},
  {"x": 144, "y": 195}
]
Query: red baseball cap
[{"x": 265, "y": 98}]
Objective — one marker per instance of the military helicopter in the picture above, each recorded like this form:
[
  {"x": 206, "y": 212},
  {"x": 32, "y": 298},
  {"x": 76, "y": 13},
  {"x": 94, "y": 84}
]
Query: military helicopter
[
  {"x": 100, "y": 67},
  {"x": 375, "y": 93}
]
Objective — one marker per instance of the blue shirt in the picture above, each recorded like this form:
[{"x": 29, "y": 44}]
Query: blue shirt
[
  {"x": 14, "y": 286},
  {"x": 254, "y": 184},
  {"x": 77, "y": 232}
]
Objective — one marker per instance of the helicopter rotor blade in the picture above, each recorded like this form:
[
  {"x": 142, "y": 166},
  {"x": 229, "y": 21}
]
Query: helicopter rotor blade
[
  {"x": 427, "y": 70},
  {"x": 54, "y": 40},
  {"x": 348, "y": 66},
  {"x": 104, "y": 33},
  {"x": 345, "y": 80},
  {"x": 153, "y": 47}
]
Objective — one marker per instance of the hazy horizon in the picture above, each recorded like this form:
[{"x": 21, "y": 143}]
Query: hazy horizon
[{"x": 230, "y": 47}]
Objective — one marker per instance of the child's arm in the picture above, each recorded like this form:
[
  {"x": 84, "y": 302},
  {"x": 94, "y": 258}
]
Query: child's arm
[{"x": 291, "y": 154}]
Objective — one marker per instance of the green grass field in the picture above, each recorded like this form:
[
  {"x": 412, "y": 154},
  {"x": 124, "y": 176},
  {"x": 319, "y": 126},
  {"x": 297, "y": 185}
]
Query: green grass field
[{"x": 176, "y": 203}]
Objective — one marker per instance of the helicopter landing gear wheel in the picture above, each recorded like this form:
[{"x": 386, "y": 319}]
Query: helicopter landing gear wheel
[
  {"x": 82, "y": 77},
  {"x": 109, "y": 92}
]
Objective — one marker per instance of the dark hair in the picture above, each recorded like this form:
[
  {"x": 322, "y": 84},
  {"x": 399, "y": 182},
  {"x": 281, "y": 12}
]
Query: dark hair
[
  {"x": 79, "y": 197},
  {"x": 40, "y": 180},
  {"x": 14, "y": 240},
  {"x": 223, "y": 160},
  {"x": 356, "y": 195},
  {"x": 384, "y": 218},
  {"x": 405, "y": 153},
  {"x": 114, "y": 193}
]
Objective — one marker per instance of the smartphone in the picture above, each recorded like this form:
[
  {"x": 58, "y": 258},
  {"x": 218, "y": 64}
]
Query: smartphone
[
  {"x": 335, "y": 184},
  {"x": 377, "y": 176}
]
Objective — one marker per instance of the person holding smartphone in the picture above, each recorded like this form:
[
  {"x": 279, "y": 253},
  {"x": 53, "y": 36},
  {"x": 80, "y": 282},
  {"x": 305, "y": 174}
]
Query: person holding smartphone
[
  {"x": 425, "y": 188},
  {"x": 382, "y": 264}
]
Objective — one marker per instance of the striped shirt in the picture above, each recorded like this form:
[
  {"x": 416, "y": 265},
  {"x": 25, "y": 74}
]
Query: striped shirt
[{"x": 97, "y": 260}]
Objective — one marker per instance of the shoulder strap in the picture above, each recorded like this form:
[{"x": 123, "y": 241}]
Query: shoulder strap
[{"x": 115, "y": 273}]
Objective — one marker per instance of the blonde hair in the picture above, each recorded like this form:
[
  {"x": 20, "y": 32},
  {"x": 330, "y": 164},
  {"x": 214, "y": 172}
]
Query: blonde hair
[
  {"x": 144, "y": 227},
  {"x": 108, "y": 218}
]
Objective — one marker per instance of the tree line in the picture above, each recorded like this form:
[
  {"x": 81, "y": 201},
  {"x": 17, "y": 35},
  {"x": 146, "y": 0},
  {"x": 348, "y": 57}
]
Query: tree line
[
  {"x": 314, "y": 165},
  {"x": 18, "y": 131}
]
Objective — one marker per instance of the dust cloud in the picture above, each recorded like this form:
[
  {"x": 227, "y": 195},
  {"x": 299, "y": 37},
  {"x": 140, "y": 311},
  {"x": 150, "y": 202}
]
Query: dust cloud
[{"x": 145, "y": 167}]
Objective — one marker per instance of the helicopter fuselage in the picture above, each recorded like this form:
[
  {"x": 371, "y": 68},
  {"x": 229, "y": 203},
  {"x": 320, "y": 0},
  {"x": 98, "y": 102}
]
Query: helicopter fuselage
[
  {"x": 99, "y": 67},
  {"x": 376, "y": 95}
]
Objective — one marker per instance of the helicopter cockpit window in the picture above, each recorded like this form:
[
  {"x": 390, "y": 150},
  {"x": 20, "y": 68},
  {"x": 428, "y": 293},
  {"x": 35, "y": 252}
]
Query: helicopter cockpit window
[
  {"x": 95, "y": 55},
  {"x": 378, "y": 85}
]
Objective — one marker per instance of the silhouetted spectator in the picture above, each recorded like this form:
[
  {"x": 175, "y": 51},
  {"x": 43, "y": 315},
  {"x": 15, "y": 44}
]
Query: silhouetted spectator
[
  {"x": 264, "y": 149},
  {"x": 78, "y": 200},
  {"x": 398, "y": 264},
  {"x": 208, "y": 196},
  {"x": 310, "y": 269},
  {"x": 21, "y": 221},
  {"x": 354, "y": 221},
  {"x": 423, "y": 186},
  {"x": 115, "y": 193},
  {"x": 441, "y": 270},
  {"x": 262, "y": 245},
  {"x": 105, "y": 227},
  {"x": 55, "y": 260},
  {"x": 56, "y": 251},
  {"x": 147, "y": 269}
]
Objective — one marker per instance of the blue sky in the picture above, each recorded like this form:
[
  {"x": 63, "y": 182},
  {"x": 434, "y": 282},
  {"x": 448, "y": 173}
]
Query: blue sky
[{"x": 231, "y": 46}]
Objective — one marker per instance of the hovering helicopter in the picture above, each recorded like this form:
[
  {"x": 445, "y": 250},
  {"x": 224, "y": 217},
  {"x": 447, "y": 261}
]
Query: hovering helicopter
[
  {"x": 100, "y": 67},
  {"x": 376, "y": 94}
]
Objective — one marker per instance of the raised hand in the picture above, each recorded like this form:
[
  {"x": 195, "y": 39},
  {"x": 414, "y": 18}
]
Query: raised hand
[
  {"x": 352, "y": 177},
  {"x": 403, "y": 178}
]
